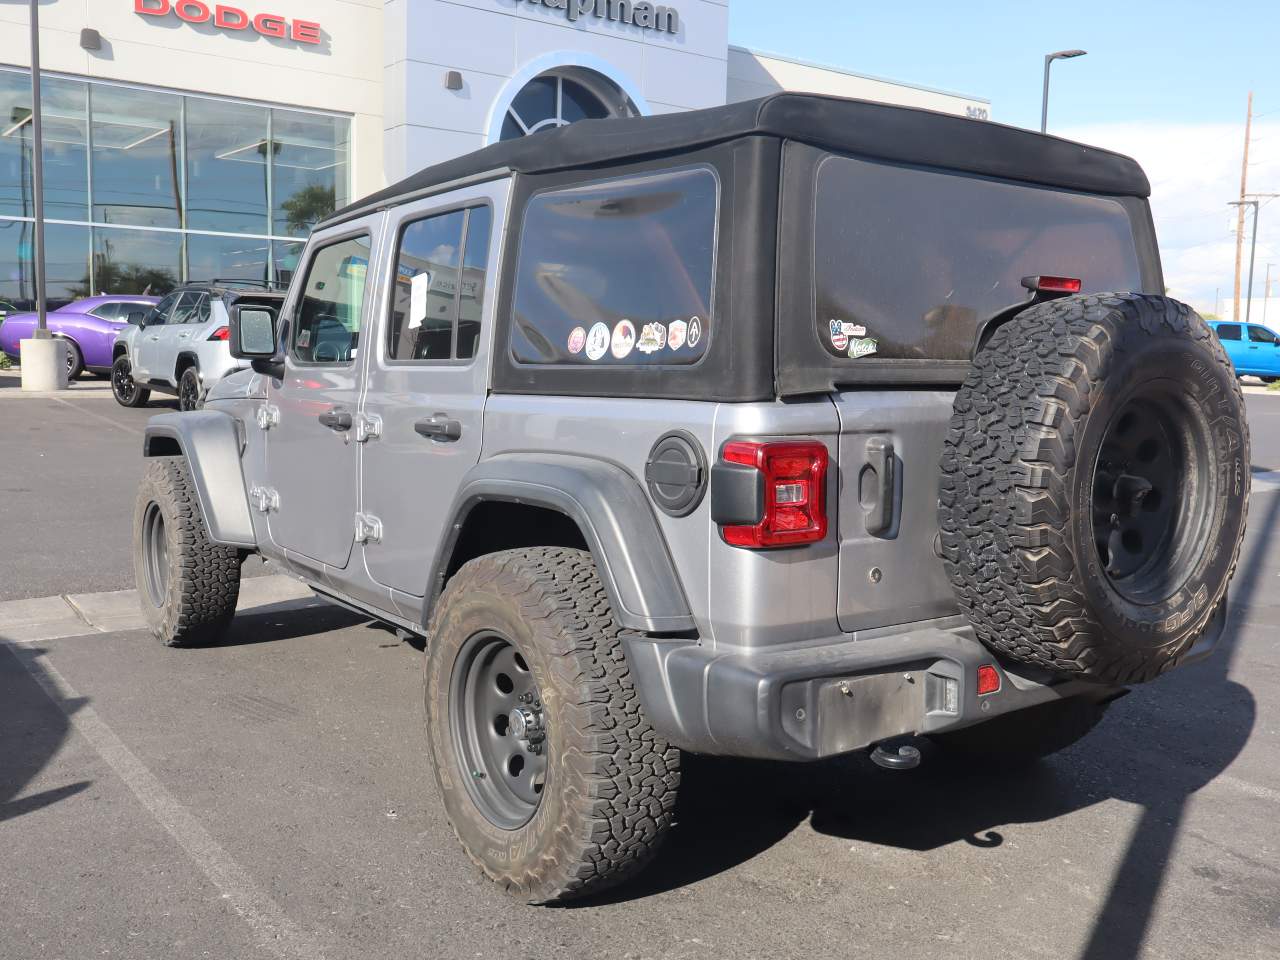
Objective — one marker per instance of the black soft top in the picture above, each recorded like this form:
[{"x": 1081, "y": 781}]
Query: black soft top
[{"x": 876, "y": 130}]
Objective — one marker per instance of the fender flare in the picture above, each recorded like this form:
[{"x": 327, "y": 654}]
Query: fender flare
[
  {"x": 211, "y": 442},
  {"x": 615, "y": 519}
]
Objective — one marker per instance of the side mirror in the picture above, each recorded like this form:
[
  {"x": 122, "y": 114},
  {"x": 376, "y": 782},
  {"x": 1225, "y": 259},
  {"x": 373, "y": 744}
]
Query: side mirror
[
  {"x": 138, "y": 318},
  {"x": 252, "y": 336}
]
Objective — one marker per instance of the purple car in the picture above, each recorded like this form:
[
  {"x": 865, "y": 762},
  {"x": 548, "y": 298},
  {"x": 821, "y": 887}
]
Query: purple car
[{"x": 89, "y": 326}]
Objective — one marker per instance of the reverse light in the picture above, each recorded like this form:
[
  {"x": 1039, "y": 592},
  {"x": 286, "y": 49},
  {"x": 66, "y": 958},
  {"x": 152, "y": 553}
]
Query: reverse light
[
  {"x": 988, "y": 680},
  {"x": 222, "y": 333},
  {"x": 791, "y": 480},
  {"x": 1052, "y": 284}
]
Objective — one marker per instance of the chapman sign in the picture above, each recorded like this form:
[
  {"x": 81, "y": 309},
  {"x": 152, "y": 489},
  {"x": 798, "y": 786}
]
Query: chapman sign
[
  {"x": 647, "y": 16},
  {"x": 226, "y": 17}
]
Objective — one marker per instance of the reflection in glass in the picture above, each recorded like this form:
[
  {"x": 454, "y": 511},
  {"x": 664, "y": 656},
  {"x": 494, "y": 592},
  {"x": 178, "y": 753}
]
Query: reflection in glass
[
  {"x": 226, "y": 258},
  {"x": 332, "y": 307},
  {"x": 309, "y": 157},
  {"x": 226, "y": 166},
  {"x": 284, "y": 260},
  {"x": 66, "y": 263},
  {"x": 66, "y": 193},
  {"x": 137, "y": 145},
  {"x": 424, "y": 303},
  {"x": 475, "y": 264},
  {"x": 136, "y": 261}
]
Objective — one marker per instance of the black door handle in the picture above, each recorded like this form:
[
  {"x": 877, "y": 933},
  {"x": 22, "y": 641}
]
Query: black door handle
[
  {"x": 879, "y": 472},
  {"x": 439, "y": 428},
  {"x": 336, "y": 420}
]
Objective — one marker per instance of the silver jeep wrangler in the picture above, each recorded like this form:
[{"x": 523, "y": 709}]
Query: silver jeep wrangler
[{"x": 780, "y": 430}]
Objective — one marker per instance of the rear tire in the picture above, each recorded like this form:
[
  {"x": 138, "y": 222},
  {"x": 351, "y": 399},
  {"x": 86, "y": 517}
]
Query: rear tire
[
  {"x": 124, "y": 388},
  {"x": 1023, "y": 736},
  {"x": 190, "y": 393},
  {"x": 188, "y": 586},
  {"x": 609, "y": 781}
]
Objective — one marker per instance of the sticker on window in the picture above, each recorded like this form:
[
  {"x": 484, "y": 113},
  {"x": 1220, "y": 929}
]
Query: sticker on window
[
  {"x": 419, "y": 287},
  {"x": 598, "y": 342},
  {"x": 624, "y": 339}
]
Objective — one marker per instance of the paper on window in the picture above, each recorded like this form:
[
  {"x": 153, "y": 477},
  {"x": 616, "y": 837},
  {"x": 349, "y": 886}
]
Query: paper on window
[{"x": 418, "y": 288}]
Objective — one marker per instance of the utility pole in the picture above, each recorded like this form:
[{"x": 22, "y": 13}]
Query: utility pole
[
  {"x": 1253, "y": 200},
  {"x": 1217, "y": 301},
  {"x": 1244, "y": 188}
]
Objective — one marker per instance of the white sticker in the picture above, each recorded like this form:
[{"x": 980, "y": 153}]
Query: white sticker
[
  {"x": 854, "y": 330},
  {"x": 652, "y": 338},
  {"x": 304, "y": 339},
  {"x": 597, "y": 342},
  {"x": 419, "y": 286},
  {"x": 863, "y": 348},
  {"x": 624, "y": 339},
  {"x": 577, "y": 340},
  {"x": 695, "y": 332},
  {"x": 678, "y": 334}
]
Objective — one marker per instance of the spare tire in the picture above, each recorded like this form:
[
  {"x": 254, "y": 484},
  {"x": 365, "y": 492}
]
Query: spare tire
[{"x": 1095, "y": 483}]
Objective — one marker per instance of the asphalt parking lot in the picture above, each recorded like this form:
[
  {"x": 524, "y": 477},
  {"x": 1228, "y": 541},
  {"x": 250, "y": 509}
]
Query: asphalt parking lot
[{"x": 270, "y": 797}]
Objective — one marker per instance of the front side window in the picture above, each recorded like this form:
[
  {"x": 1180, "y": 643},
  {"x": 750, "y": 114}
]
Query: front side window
[
  {"x": 618, "y": 273},
  {"x": 440, "y": 281},
  {"x": 909, "y": 262},
  {"x": 1261, "y": 335},
  {"x": 1229, "y": 331},
  {"x": 331, "y": 308}
]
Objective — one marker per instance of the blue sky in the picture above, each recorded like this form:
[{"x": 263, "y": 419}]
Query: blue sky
[{"x": 1163, "y": 82}]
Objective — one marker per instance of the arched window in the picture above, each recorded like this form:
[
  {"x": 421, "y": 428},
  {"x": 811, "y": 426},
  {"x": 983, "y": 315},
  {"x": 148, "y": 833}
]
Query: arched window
[{"x": 562, "y": 96}]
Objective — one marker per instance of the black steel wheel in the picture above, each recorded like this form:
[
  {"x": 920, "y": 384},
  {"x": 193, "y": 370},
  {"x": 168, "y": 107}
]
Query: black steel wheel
[
  {"x": 499, "y": 727},
  {"x": 190, "y": 395},
  {"x": 124, "y": 388}
]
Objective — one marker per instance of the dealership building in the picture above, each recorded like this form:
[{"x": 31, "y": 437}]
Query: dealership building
[{"x": 188, "y": 139}]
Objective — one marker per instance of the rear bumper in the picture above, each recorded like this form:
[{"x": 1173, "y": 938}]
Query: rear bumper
[{"x": 834, "y": 696}]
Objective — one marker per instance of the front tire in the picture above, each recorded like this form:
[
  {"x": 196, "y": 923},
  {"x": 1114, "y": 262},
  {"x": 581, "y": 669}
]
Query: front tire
[
  {"x": 188, "y": 586},
  {"x": 124, "y": 388},
  {"x": 526, "y": 677}
]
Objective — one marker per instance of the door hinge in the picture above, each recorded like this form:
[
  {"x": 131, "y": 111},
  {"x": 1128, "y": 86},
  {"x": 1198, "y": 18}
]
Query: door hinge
[
  {"x": 368, "y": 528},
  {"x": 268, "y": 416},
  {"x": 368, "y": 427},
  {"x": 265, "y": 499}
]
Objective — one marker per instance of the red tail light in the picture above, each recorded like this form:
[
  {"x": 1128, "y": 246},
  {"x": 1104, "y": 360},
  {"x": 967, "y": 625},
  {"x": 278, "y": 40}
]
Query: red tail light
[
  {"x": 222, "y": 333},
  {"x": 988, "y": 680},
  {"x": 1052, "y": 284},
  {"x": 794, "y": 477}
]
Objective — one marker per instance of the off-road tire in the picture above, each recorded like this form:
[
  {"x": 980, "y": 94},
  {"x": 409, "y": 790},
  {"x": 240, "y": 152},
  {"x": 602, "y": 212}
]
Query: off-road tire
[
  {"x": 1024, "y": 736},
  {"x": 611, "y": 781},
  {"x": 1023, "y": 461},
  {"x": 192, "y": 601},
  {"x": 124, "y": 388}
]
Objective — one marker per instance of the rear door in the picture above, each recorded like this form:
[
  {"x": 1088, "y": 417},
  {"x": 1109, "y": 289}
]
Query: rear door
[
  {"x": 428, "y": 377},
  {"x": 1234, "y": 343},
  {"x": 312, "y": 461}
]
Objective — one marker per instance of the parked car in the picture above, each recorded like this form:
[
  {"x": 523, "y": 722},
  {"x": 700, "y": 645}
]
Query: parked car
[
  {"x": 780, "y": 430},
  {"x": 7, "y": 309},
  {"x": 88, "y": 326},
  {"x": 1254, "y": 349},
  {"x": 179, "y": 346}
]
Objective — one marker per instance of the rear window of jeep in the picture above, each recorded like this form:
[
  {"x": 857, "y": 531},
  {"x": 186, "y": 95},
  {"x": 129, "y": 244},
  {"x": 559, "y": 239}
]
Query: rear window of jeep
[
  {"x": 908, "y": 262},
  {"x": 618, "y": 273}
]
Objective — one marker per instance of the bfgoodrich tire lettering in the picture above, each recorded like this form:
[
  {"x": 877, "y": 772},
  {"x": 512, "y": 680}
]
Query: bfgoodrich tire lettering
[
  {"x": 1039, "y": 482},
  {"x": 610, "y": 781},
  {"x": 188, "y": 586}
]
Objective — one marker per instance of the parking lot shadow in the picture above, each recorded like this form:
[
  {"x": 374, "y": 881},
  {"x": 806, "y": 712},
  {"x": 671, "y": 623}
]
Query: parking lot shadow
[
  {"x": 34, "y": 729},
  {"x": 284, "y": 621}
]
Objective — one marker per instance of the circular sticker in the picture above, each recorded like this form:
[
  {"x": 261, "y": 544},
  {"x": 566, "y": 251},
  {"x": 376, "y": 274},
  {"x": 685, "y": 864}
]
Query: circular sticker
[
  {"x": 597, "y": 342},
  {"x": 577, "y": 340},
  {"x": 624, "y": 339},
  {"x": 695, "y": 333}
]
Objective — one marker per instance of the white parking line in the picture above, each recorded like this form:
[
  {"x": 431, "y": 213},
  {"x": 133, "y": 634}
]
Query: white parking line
[{"x": 274, "y": 929}]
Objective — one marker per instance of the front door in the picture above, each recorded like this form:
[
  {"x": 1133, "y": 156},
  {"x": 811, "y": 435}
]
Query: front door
[
  {"x": 312, "y": 459},
  {"x": 428, "y": 376},
  {"x": 147, "y": 340},
  {"x": 1264, "y": 351}
]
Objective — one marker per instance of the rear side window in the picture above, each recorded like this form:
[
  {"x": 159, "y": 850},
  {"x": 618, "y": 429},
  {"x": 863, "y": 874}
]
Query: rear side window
[
  {"x": 108, "y": 311},
  {"x": 909, "y": 261},
  {"x": 436, "y": 307},
  {"x": 618, "y": 272},
  {"x": 328, "y": 317},
  {"x": 1229, "y": 331}
]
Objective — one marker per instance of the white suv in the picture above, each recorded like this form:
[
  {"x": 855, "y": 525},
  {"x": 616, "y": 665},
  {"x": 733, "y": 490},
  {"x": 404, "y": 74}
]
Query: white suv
[{"x": 180, "y": 347}]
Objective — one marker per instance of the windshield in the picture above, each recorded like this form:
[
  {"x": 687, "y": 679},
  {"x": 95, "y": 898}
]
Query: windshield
[{"x": 909, "y": 261}]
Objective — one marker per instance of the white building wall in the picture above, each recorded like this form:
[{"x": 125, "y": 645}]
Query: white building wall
[
  {"x": 752, "y": 74},
  {"x": 498, "y": 45}
]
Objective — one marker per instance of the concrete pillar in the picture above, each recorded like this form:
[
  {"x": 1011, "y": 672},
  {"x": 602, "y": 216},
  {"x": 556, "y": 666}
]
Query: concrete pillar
[{"x": 44, "y": 364}]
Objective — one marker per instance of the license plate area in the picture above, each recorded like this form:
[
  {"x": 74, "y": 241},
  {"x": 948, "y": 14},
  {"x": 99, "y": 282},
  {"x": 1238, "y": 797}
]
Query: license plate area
[{"x": 855, "y": 712}]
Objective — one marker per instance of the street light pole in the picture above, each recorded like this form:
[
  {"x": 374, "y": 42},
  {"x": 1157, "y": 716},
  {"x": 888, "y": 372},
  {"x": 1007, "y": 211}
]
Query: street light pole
[
  {"x": 37, "y": 175},
  {"x": 1255, "y": 202},
  {"x": 1044, "y": 100}
]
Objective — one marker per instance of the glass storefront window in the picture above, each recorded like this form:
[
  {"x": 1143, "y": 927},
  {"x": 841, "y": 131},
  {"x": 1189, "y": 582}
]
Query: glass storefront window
[
  {"x": 66, "y": 169},
  {"x": 137, "y": 150},
  {"x": 66, "y": 263},
  {"x": 308, "y": 169},
  {"x": 227, "y": 258},
  {"x": 136, "y": 261},
  {"x": 285, "y": 255},
  {"x": 227, "y": 166}
]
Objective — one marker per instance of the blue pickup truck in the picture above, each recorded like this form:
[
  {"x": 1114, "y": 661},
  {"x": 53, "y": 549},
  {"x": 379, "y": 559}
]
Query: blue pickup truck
[{"x": 1253, "y": 349}]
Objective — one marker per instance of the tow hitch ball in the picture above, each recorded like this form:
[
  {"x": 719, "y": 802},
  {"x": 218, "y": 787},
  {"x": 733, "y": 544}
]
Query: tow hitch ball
[{"x": 899, "y": 756}]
